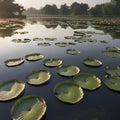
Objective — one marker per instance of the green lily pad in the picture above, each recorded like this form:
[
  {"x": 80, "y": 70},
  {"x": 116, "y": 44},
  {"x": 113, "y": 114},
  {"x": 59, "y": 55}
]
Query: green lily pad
[
  {"x": 62, "y": 44},
  {"x": 72, "y": 51},
  {"x": 113, "y": 70},
  {"x": 44, "y": 44},
  {"x": 34, "y": 57},
  {"x": 38, "y": 77},
  {"x": 29, "y": 108},
  {"x": 53, "y": 62},
  {"x": 113, "y": 48},
  {"x": 14, "y": 62},
  {"x": 25, "y": 40},
  {"x": 68, "y": 92},
  {"x": 68, "y": 70},
  {"x": 112, "y": 52},
  {"x": 112, "y": 83},
  {"x": 37, "y": 39},
  {"x": 92, "y": 62},
  {"x": 87, "y": 81},
  {"x": 11, "y": 89},
  {"x": 80, "y": 40},
  {"x": 50, "y": 39}
]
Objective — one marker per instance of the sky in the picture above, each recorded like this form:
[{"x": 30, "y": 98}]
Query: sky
[{"x": 41, "y": 3}]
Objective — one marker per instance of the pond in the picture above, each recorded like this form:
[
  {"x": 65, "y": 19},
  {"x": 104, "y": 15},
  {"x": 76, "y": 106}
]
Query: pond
[{"x": 52, "y": 39}]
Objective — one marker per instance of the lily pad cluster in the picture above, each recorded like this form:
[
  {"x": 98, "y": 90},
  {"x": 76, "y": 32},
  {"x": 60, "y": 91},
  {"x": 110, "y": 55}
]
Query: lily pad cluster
[
  {"x": 112, "y": 80},
  {"x": 18, "y": 61},
  {"x": 71, "y": 91},
  {"x": 25, "y": 40},
  {"x": 21, "y": 32},
  {"x": 112, "y": 52}
]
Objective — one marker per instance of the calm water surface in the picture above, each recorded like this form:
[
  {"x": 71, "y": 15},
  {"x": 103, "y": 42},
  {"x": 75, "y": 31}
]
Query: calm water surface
[{"x": 101, "y": 104}]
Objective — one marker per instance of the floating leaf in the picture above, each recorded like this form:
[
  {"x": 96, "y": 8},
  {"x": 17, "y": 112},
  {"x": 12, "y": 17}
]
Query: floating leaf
[
  {"x": 34, "y": 57},
  {"x": 68, "y": 70},
  {"x": 10, "y": 89},
  {"x": 68, "y": 91},
  {"x": 72, "y": 51},
  {"x": 112, "y": 83},
  {"x": 25, "y": 40},
  {"x": 92, "y": 62},
  {"x": 14, "y": 62},
  {"x": 50, "y": 39},
  {"x": 37, "y": 39},
  {"x": 38, "y": 77},
  {"x": 29, "y": 108},
  {"x": 113, "y": 70},
  {"x": 62, "y": 44},
  {"x": 44, "y": 44},
  {"x": 112, "y": 52},
  {"x": 53, "y": 62},
  {"x": 87, "y": 81}
]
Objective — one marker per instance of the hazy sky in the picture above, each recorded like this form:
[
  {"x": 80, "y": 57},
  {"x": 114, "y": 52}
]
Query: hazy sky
[{"x": 41, "y": 3}]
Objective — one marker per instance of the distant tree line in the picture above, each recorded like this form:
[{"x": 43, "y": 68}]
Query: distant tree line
[
  {"x": 8, "y": 8},
  {"x": 107, "y": 9},
  {"x": 74, "y": 9}
]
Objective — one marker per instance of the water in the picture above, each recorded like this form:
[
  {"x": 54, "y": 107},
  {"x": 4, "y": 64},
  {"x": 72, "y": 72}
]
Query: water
[{"x": 101, "y": 104}]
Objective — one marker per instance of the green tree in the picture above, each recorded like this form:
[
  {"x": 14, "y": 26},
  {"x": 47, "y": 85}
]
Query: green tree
[
  {"x": 10, "y": 9},
  {"x": 64, "y": 10},
  {"x": 96, "y": 11},
  {"x": 79, "y": 9},
  {"x": 50, "y": 10}
]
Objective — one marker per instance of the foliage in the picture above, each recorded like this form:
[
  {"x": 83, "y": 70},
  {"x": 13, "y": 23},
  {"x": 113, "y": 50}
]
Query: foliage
[
  {"x": 108, "y": 9},
  {"x": 10, "y": 9},
  {"x": 79, "y": 9},
  {"x": 50, "y": 10}
]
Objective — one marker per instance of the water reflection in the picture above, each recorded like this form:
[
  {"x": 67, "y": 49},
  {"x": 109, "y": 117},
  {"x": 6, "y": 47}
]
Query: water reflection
[
  {"x": 96, "y": 104},
  {"x": 8, "y": 28}
]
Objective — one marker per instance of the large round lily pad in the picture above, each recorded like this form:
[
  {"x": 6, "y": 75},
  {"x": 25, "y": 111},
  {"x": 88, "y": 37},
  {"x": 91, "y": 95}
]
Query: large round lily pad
[
  {"x": 68, "y": 70},
  {"x": 68, "y": 91},
  {"x": 113, "y": 70},
  {"x": 10, "y": 89},
  {"x": 72, "y": 51},
  {"x": 38, "y": 77},
  {"x": 53, "y": 62},
  {"x": 92, "y": 62},
  {"x": 87, "y": 81},
  {"x": 112, "y": 83},
  {"x": 29, "y": 108},
  {"x": 14, "y": 62},
  {"x": 34, "y": 57}
]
